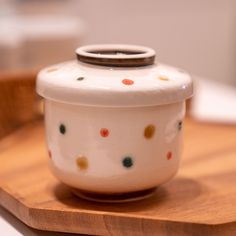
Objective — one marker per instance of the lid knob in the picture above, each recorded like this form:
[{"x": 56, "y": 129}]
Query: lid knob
[{"x": 118, "y": 55}]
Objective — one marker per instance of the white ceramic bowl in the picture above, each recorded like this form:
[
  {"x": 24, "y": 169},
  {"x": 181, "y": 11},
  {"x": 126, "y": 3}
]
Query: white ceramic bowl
[{"x": 114, "y": 128}]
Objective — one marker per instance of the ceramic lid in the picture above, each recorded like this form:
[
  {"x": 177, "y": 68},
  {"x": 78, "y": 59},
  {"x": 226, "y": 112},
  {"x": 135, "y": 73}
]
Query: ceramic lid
[{"x": 114, "y": 76}]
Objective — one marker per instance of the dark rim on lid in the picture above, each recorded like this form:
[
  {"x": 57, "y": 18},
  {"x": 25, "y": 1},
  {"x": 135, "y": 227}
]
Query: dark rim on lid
[{"x": 117, "y": 55}]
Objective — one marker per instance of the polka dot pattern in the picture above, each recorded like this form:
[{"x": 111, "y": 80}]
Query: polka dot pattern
[
  {"x": 62, "y": 129},
  {"x": 82, "y": 163},
  {"x": 127, "y": 81},
  {"x": 127, "y": 162},
  {"x": 149, "y": 131},
  {"x": 114, "y": 87},
  {"x": 104, "y": 132},
  {"x": 124, "y": 88}
]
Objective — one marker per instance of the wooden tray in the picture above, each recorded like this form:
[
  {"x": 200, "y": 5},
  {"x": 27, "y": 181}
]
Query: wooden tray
[{"x": 201, "y": 200}]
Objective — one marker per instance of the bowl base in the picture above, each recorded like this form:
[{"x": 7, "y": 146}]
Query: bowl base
[{"x": 114, "y": 197}]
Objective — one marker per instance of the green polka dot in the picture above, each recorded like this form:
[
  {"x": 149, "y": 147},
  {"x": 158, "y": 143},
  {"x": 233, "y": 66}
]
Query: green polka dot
[
  {"x": 62, "y": 129},
  {"x": 127, "y": 162}
]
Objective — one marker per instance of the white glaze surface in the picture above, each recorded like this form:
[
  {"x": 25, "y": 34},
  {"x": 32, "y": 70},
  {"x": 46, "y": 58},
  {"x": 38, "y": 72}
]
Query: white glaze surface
[
  {"x": 102, "y": 86},
  {"x": 105, "y": 172},
  {"x": 114, "y": 129}
]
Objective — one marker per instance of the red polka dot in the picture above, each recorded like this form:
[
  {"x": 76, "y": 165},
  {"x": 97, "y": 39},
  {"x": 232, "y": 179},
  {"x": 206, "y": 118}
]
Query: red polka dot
[
  {"x": 127, "y": 81},
  {"x": 49, "y": 154},
  {"x": 169, "y": 155},
  {"x": 104, "y": 132}
]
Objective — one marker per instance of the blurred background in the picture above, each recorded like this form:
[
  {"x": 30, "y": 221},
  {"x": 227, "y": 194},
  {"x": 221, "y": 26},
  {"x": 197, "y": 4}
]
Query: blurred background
[{"x": 198, "y": 36}]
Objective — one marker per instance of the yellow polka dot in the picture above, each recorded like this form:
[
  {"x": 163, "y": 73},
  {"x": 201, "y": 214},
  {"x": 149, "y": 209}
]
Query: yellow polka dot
[
  {"x": 51, "y": 69},
  {"x": 149, "y": 131},
  {"x": 82, "y": 163},
  {"x": 164, "y": 78}
]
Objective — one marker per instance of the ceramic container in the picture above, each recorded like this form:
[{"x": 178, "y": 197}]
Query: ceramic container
[{"x": 114, "y": 120}]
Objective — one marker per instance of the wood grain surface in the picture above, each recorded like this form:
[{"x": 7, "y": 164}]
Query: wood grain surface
[
  {"x": 200, "y": 200},
  {"x": 18, "y": 100}
]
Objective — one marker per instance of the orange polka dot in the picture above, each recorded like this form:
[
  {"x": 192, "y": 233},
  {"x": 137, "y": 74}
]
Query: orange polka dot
[
  {"x": 149, "y": 131},
  {"x": 127, "y": 81},
  {"x": 164, "y": 78},
  {"x": 169, "y": 155},
  {"x": 82, "y": 163},
  {"x": 104, "y": 132}
]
